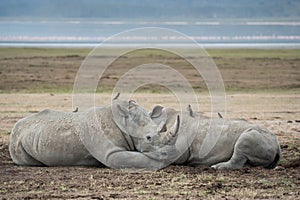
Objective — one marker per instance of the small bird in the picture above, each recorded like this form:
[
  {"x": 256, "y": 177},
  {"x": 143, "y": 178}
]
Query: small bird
[
  {"x": 220, "y": 115},
  {"x": 76, "y": 110},
  {"x": 117, "y": 96},
  {"x": 189, "y": 108}
]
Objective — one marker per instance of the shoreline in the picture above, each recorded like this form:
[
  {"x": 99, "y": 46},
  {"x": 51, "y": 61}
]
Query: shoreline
[{"x": 83, "y": 45}]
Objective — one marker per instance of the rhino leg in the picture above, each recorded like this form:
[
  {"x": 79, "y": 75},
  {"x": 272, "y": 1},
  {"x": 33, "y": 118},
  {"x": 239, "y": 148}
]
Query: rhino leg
[
  {"x": 238, "y": 160},
  {"x": 252, "y": 148},
  {"x": 131, "y": 159},
  {"x": 16, "y": 149},
  {"x": 20, "y": 156}
]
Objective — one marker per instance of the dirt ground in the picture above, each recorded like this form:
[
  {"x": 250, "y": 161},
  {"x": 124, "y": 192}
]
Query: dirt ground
[{"x": 29, "y": 89}]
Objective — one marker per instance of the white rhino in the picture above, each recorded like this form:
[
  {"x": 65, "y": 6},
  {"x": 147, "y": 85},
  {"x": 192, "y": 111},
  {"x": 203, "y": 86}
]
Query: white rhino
[
  {"x": 109, "y": 135},
  {"x": 240, "y": 143}
]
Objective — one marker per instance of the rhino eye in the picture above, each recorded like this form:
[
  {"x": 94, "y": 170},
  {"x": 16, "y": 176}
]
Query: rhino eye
[
  {"x": 148, "y": 137},
  {"x": 141, "y": 123}
]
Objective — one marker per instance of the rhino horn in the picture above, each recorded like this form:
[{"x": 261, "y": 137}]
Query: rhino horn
[{"x": 172, "y": 133}]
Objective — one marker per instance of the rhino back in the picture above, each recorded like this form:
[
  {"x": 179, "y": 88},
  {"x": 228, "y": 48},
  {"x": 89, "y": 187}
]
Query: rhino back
[{"x": 100, "y": 124}]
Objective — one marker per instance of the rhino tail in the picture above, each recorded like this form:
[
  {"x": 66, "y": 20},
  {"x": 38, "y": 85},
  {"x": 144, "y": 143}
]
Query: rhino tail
[{"x": 276, "y": 160}]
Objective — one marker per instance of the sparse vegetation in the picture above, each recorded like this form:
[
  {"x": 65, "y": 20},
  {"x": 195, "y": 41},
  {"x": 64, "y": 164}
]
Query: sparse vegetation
[{"x": 54, "y": 70}]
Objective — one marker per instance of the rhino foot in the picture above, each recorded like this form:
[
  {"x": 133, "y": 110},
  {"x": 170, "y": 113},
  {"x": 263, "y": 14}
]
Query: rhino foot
[
  {"x": 224, "y": 165},
  {"x": 236, "y": 162}
]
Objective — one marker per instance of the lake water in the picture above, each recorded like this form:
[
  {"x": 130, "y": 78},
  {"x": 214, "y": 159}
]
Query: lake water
[{"x": 89, "y": 33}]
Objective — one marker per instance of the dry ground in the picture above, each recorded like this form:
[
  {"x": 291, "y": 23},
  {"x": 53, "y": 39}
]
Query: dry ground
[
  {"x": 54, "y": 70},
  {"x": 263, "y": 87}
]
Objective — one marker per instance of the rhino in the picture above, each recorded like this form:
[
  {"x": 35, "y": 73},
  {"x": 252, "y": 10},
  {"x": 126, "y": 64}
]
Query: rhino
[
  {"x": 240, "y": 143},
  {"x": 111, "y": 136}
]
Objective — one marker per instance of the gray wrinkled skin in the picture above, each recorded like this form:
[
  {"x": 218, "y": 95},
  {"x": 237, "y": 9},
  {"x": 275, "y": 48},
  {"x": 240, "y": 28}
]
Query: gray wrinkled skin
[
  {"x": 240, "y": 144},
  {"x": 93, "y": 138}
]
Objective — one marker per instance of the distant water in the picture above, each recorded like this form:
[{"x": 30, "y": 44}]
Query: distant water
[{"x": 83, "y": 33}]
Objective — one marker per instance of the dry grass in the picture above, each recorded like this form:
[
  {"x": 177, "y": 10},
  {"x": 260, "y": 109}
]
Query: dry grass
[{"x": 54, "y": 70}]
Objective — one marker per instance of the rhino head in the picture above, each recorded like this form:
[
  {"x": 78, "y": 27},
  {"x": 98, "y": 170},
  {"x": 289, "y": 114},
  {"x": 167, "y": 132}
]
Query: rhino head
[
  {"x": 166, "y": 137},
  {"x": 141, "y": 132},
  {"x": 163, "y": 142}
]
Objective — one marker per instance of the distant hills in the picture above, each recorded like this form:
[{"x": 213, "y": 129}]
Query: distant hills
[{"x": 151, "y": 9}]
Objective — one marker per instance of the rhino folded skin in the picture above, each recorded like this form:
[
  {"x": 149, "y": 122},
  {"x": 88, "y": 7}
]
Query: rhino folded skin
[
  {"x": 239, "y": 142},
  {"x": 94, "y": 137}
]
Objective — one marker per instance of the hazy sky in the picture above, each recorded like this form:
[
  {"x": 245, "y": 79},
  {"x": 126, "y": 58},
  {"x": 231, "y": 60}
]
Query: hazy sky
[{"x": 150, "y": 9}]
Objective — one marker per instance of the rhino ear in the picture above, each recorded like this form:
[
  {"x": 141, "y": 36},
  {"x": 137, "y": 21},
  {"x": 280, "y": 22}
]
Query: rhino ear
[
  {"x": 156, "y": 111},
  {"x": 132, "y": 104},
  {"x": 123, "y": 111}
]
